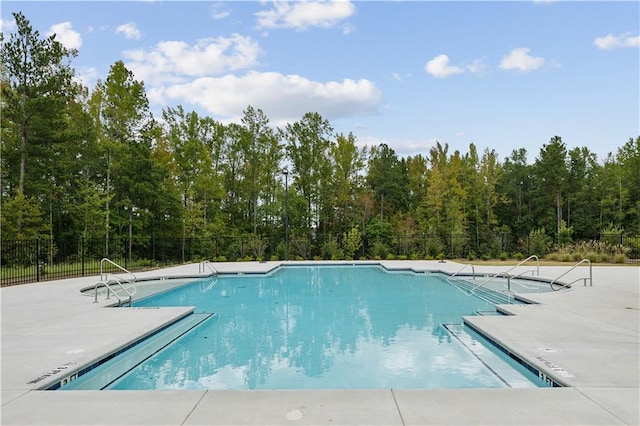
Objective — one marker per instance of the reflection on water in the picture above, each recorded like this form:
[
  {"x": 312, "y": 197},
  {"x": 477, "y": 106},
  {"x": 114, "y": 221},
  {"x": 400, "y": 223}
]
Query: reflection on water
[{"x": 317, "y": 327}]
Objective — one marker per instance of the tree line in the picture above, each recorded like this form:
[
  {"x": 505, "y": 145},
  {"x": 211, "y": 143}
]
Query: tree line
[{"x": 95, "y": 162}]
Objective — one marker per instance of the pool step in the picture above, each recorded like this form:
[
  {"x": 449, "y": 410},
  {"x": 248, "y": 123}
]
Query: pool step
[
  {"x": 507, "y": 371},
  {"x": 491, "y": 296},
  {"x": 104, "y": 374},
  {"x": 490, "y": 313}
]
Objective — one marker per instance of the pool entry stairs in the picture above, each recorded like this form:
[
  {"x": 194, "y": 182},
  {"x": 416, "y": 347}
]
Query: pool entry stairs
[
  {"x": 492, "y": 296},
  {"x": 115, "y": 366},
  {"x": 510, "y": 373}
]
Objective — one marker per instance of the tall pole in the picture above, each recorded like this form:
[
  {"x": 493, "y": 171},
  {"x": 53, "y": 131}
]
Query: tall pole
[{"x": 286, "y": 214}]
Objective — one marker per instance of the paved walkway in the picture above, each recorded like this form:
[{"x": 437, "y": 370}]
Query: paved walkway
[{"x": 586, "y": 338}]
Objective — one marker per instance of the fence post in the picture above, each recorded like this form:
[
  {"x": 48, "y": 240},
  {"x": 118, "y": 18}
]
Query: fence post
[
  {"x": 82, "y": 254},
  {"x": 38, "y": 259}
]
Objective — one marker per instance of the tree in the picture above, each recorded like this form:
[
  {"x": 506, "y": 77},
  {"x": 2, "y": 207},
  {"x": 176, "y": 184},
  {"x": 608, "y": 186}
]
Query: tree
[
  {"x": 193, "y": 145},
  {"x": 581, "y": 210},
  {"x": 387, "y": 177},
  {"x": 127, "y": 126},
  {"x": 261, "y": 153},
  {"x": 515, "y": 185},
  {"x": 307, "y": 146},
  {"x": 551, "y": 179},
  {"x": 347, "y": 161},
  {"x": 37, "y": 84},
  {"x": 444, "y": 206},
  {"x": 629, "y": 158}
]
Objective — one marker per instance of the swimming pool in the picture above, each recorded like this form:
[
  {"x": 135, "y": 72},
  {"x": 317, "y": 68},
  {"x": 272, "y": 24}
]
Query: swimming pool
[{"x": 346, "y": 327}]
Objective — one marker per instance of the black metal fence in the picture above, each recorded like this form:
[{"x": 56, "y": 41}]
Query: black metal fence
[{"x": 23, "y": 261}]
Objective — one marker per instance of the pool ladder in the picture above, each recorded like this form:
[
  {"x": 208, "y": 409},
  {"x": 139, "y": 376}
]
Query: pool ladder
[
  {"x": 115, "y": 284},
  {"x": 204, "y": 265}
]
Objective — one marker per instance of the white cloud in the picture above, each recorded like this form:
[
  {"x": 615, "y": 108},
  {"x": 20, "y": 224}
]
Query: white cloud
[
  {"x": 478, "y": 66},
  {"x": 439, "y": 67},
  {"x": 173, "y": 61},
  {"x": 7, "y": 25},
  {"x": 611, "y": 42},
  {"x": 301, "y": 15},
  {"x": 520, "y": 59},
  {"x": 400, "y": 77},
  {"x": 87, "y": 76},
  {"x": 129, "y": 30},
  {"x": 283, "y": 98},
  {"x": 219, "y": 11},
  {"x": 402, "y": 147},
  {"x": 66, "y": 35}
]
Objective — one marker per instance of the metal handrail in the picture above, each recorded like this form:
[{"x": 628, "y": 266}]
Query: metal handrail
[
  {"x": 505, "y": 274},
  {"x": 103, "y": 275},
  {"x": 206, "y": 264},
  {"x": 115, "y": 280},
  {"x": 590, "y": 277},
  {"x": 473, "y": 272}
]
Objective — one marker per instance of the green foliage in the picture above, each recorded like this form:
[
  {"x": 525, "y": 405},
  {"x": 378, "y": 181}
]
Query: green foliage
[
  {"x": 377, "y": 230},
  {"x": 539, "y": 242},
  {"x": 434, "y": 247},
  {"x": 565, "y": 233},
  {"x": 331, "y": 250},
  {"x": 351, "y": 242},
  {"x": 94, "y": 162},
  {"x": 594, "y": 250},
  {"x": 22, "y": 219},
  {"x": 379, "y": 250},
  {"x": 257, "y": 246}
]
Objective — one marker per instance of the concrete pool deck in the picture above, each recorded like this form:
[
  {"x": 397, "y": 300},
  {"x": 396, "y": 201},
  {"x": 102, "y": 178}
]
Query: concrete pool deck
[{"x": 587, "y": 338}]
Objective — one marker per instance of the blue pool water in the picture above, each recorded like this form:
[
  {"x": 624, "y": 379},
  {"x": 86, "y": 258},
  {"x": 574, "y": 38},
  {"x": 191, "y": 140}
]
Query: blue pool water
[{"x": 319, "y": 327}]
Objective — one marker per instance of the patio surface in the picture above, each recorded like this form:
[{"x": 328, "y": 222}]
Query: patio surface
[{"x": 586, "y": 338}]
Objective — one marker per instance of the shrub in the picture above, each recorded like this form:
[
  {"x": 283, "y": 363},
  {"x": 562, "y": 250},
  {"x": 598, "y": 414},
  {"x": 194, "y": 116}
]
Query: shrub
[
  {"x": 553, "y": 256},
  {"x": 565, "y": 233},
  {"x": 434, "y": 247},
  {"x": 257, "y": 247},
  {"x": 620, "y": 258},
  {"x": 503, "y": 256},
  {"x": 331, "y": 250},
  {"x": 351, "y": 242},
  {"x": 539, "y": 242},
  {"x": 518, "y": 256},
  {"x": 380, "y": 250}
]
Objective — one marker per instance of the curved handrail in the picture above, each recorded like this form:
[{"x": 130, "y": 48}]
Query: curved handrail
[
  {"x": 109, "y": 289},
  {"x": 206, "y": 264},
  {"x": 590, "y": 277},
  {"x": 103, "y": 276},
  {"x": 473, "y": 272},
  {"x": 505, "y": 274}
]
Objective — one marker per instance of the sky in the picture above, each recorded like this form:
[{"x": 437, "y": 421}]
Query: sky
[{"x": 502, "y": 75}]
